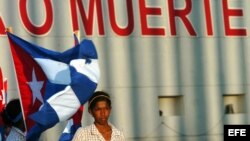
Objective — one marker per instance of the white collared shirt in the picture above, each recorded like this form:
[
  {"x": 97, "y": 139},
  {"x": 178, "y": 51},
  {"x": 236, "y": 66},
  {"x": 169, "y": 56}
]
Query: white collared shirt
[
  {"x": 15, "y": 135},
  {"x": 91, "y": 133}
]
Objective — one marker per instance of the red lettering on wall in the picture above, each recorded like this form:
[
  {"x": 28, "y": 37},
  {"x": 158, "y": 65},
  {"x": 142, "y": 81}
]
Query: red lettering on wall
[
  {"x": 38, "y": 30},
  {"x": 227, "y": 14},
  {"x": 74, "y": 15},
  {"x": 90, "y": 17},
  {"x": 130, "y": 26},
  {"x": 144, "y": 12},
  {"x": 2, "y": 27},
  {"x": 208, "y": 17},
  {"x": 182, "y": 13},
  {"x": 87, "y": 20}
]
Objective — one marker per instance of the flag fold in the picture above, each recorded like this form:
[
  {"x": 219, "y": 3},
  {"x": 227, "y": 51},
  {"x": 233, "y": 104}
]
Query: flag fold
[{"x": 75, "y": 122}]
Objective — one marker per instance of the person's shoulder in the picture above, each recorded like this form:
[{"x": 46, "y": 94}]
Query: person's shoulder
[
  {"x": 117, "y": 134},
  {"x": 116, "y": 130},
  {"x": 82, "y": 133},
  {"x": 86, "y": 128}
]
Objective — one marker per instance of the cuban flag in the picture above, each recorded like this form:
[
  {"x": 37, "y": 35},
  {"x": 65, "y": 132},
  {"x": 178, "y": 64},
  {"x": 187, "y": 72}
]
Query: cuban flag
[
  {"x": 75, "y": 122},
  {"x": 53, "y": 85},
  {"x": 3, "y": 100},
  {"x": 3, "y": 91}
]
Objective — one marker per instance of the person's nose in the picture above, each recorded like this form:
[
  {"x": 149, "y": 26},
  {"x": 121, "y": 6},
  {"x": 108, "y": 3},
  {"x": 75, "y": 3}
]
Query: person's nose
[{"x": 102, "y": 112}]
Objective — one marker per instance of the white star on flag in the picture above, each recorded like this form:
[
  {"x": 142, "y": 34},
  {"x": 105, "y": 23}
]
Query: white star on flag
[{"x": 36, "y": 87}]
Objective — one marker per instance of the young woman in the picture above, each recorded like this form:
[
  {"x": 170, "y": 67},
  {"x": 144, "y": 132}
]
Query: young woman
[{"x": 101, "y": 129}]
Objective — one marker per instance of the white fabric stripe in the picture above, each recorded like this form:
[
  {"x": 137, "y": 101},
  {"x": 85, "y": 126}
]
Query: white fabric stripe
[
  {"x": 91, "y": 70},
  {"x": 65, "y": 103},
  {"x": 68, "y": 126},
  {"x": 56, "y": 72}
]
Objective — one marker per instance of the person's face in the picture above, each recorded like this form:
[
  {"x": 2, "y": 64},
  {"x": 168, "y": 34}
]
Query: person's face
[{"x": 101, "y": 112}]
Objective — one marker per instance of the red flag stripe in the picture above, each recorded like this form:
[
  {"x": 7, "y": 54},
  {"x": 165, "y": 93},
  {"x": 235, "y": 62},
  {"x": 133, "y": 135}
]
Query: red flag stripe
[{"x": 1, "y": 79}]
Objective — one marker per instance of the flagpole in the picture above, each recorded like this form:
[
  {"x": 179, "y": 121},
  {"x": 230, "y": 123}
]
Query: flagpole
[
  {"x": 5, "y": 86},
  {"x": 10, "y": 30},
  {"x": 78, "y": 34}
]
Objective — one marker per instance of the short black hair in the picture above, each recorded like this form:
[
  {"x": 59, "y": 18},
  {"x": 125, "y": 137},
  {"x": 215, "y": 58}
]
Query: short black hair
[
  {"x": 12, "y": 113},
  {"x": 99, "y": 96}
]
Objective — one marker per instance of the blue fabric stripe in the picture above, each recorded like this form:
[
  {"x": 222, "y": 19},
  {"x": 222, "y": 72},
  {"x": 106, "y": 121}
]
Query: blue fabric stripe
[
  {"x": 32, "y": 49},
  {"x": 35, "y": 132},
  {"x": 69, "y": 136},
  {"x": 51, "y": 89},
  {"x": 82, "y": 86},
  {"x": 45, "y": 119},
  {"x": 46, "y": 116},
  {"x": 84, "y": 50}
]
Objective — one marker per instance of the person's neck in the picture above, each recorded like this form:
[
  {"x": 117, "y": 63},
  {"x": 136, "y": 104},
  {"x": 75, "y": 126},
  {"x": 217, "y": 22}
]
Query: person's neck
[
  {"x": 102, "y": 126},
  {"x": 105, "y": 130}
]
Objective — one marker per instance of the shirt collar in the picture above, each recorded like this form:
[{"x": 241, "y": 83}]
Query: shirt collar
[
  {"x": 17, "y": 130},
  {"x": 95, "y": 131}
]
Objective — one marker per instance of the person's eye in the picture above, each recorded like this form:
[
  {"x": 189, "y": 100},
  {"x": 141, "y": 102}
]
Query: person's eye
[{"x": 97, "y": 109}]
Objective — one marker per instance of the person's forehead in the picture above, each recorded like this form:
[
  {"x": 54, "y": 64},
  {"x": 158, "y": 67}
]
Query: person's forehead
[{"x": 101, "y": 103}]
